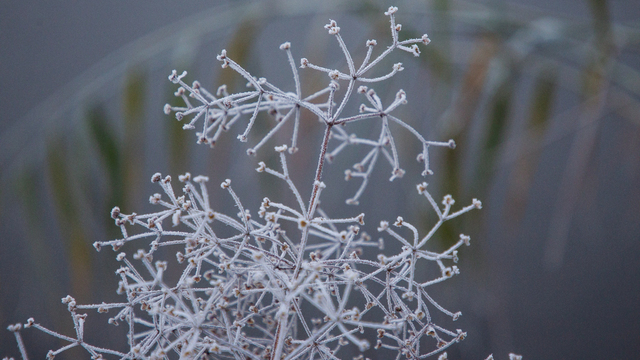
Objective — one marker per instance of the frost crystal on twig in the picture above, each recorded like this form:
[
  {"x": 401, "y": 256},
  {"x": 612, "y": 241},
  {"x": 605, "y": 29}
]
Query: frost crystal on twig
[
  {"x": 219, "y": 113},
  {"x": 292, "y": 282}
]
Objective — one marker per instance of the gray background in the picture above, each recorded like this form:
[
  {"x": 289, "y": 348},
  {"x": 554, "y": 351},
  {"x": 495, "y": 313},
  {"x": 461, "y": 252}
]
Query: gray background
[{"x": 60, "y": 59}]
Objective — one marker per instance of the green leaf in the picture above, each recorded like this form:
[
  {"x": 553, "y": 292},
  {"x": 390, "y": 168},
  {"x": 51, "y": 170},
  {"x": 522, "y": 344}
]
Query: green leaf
[
  {"x": 542, "y": 98},
  {"x": 133, "y": 107},
  {"x": 69, "y": 219}
]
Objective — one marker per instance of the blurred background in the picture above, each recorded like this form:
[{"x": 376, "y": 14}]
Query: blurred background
[{"x": 542, "y": 99}]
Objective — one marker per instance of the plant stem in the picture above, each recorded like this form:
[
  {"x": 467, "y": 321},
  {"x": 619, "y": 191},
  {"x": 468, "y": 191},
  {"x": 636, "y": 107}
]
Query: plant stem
[{"x": 316, "y": 182}]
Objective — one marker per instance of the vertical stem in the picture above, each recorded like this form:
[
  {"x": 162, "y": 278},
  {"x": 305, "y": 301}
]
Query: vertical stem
[
  {"x": 316, "y": 182},
  {"x": 303, "y": 245},
  {"x": 281, "y": 331},
  {"x": 314, "y": 198}
]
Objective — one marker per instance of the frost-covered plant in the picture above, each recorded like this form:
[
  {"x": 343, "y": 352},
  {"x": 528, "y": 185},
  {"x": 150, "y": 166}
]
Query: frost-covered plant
[{"x": 291, "y": 282}]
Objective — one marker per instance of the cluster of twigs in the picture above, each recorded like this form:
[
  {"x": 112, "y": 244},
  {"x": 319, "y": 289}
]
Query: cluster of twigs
[{"x": 291, "y": 282}]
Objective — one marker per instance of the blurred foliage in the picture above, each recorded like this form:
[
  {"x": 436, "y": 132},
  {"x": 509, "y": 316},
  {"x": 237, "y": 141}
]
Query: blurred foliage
[
  {"x": 110, "y": 152},
  {"x": 133, "y": 111},
  {"x": 65, "y": 198}
]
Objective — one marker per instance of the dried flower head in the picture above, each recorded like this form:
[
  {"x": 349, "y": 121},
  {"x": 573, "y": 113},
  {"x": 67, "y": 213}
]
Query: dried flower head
[{"x": 289, "y": 282}]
